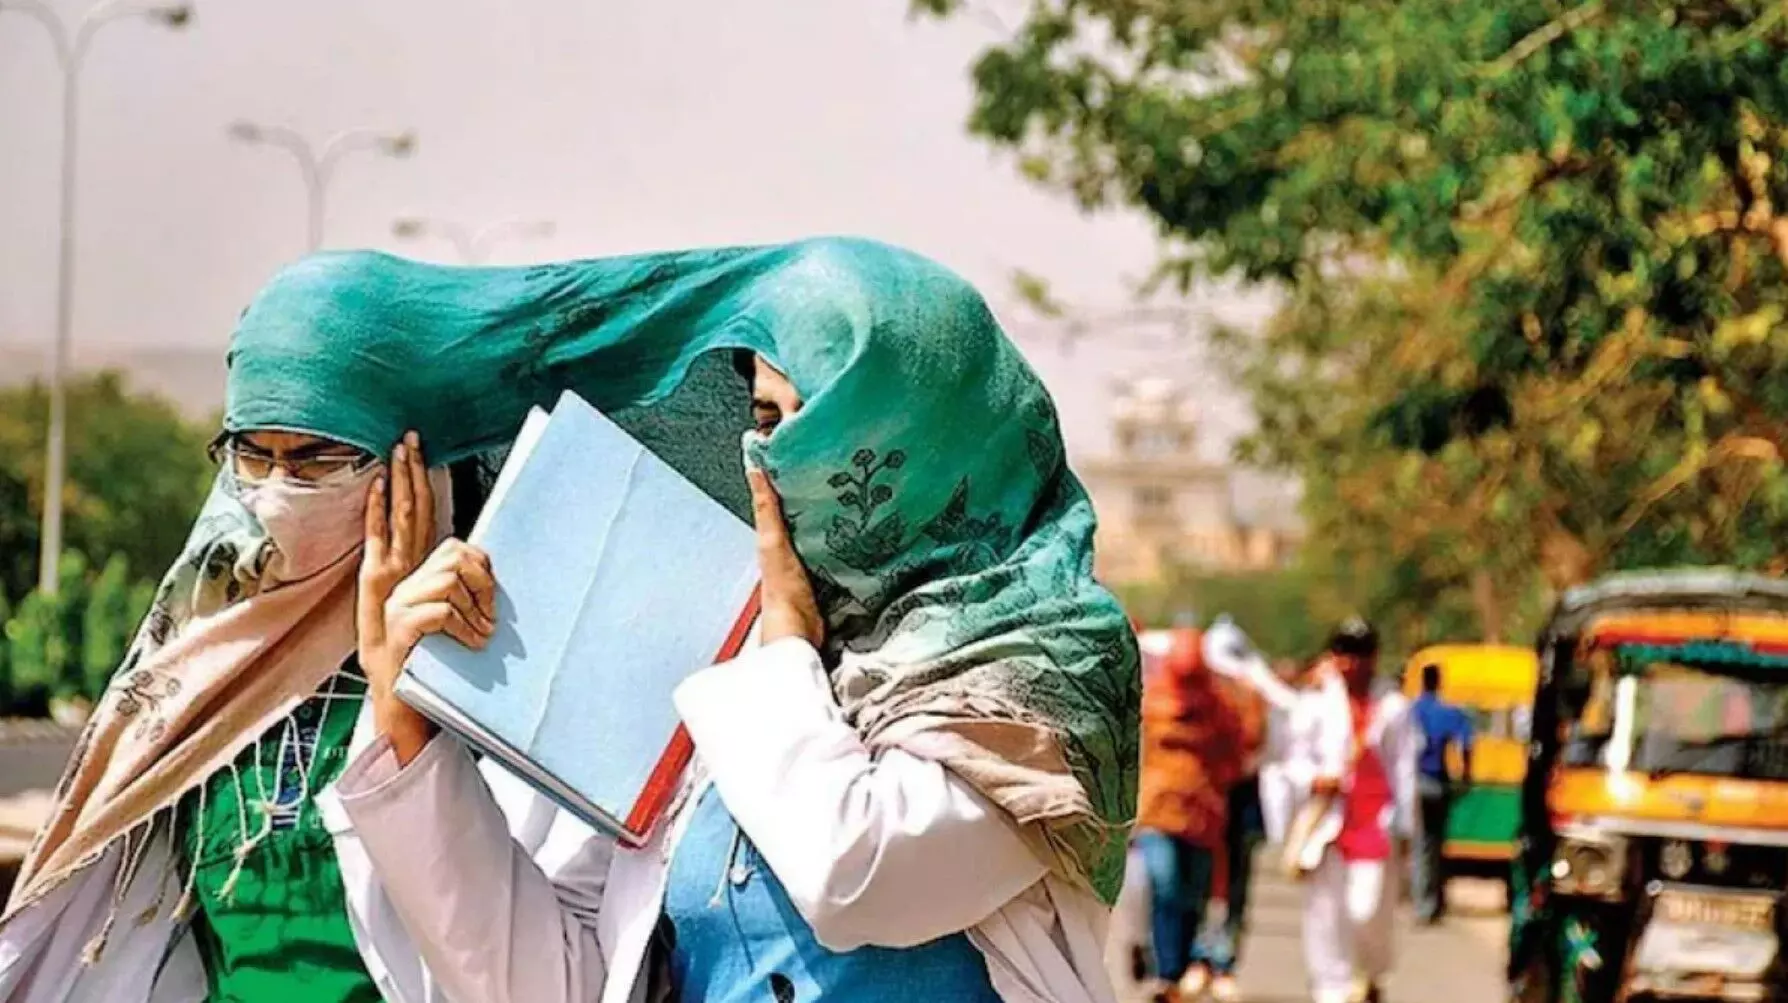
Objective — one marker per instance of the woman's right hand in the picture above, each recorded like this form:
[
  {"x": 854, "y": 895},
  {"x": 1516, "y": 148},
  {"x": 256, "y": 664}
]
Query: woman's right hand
[{"x": 404, "y": 597}]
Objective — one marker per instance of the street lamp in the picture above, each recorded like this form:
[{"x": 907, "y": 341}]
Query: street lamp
[
  {"x": 316, "y": 167},
  {"x": 473, "y": 245},
  {"x": 70, "y": 45}
]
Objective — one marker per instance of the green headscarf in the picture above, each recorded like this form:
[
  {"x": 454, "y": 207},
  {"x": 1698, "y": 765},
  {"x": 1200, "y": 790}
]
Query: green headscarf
[{"x": 923, "y": 478}]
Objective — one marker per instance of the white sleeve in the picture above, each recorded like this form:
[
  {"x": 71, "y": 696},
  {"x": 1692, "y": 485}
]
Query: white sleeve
[
  {"x": 489, "y": 924},
  {"x": 1229, "y": 651},
  {"x": 1301, "y": 745},
  {"x": 891, "y": 850},
  {"x": 1406, "y": 762},
  {"x": 1273, "y": 689},
  {"x": 1323, "y": 742}
]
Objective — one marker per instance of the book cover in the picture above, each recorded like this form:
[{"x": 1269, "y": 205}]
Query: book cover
[{"x": 616, "y": 579}]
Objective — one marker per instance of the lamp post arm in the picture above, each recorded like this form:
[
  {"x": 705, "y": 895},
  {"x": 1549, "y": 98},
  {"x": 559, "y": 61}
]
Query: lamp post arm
[
  {"x": 345, "y": 142},
  {"x": 107, "y": 11},
  {"x": 45, "y": 15}
]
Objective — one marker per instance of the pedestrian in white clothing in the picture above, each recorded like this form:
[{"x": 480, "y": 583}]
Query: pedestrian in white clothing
[
  {"x": 1276, "y": 794},
  {"x": 1354, "y": 768}
]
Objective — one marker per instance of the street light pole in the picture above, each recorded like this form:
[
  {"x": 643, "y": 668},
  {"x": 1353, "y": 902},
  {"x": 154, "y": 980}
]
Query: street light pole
[
  {"x": 316, "y": 167},
  {"x": 473, "y": 245},
  {"x": 71, "y": 49}
]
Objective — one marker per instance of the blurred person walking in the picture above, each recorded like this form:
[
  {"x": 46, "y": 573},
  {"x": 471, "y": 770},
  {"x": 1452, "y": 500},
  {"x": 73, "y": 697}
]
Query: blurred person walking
[
  {"x": 1257, "y": 693},
  {"x": 1443, "y": 726},
  {"x": 1355, "y": 771},
  {"x": 1195, "y": 744},
  {"x": 1276, "y": 793}
]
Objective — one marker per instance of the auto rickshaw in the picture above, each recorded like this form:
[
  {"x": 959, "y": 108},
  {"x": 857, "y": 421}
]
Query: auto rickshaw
[
  {"x": 1654, "y": 843},
  {"x": 1494, "y": 684}
]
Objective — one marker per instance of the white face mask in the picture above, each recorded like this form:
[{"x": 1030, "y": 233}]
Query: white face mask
[{"x": 312, "y": 526}]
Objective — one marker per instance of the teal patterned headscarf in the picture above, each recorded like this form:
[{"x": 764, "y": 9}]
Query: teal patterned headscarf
[{"x": 923, "y": 478}]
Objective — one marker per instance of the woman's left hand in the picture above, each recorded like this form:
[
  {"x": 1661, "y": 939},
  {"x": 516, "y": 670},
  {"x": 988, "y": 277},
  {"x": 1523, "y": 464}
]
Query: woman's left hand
[{"x": 789, "y": 606}]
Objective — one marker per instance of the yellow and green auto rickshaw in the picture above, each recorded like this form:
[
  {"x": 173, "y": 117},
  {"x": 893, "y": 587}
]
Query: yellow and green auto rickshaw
[
  {"x": 1494, "y": 684},
  {"x": 1654, "y": 844}
]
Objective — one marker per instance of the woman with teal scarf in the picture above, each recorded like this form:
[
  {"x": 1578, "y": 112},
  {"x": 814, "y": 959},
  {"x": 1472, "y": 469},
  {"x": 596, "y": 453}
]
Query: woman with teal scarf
[{"x": 920, "y": 779}]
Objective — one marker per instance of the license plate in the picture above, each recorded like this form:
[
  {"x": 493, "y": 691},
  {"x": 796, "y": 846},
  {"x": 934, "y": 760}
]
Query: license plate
[
  {"x": 1741, "y": 912},
  {"x": 1677, "y": 953}
]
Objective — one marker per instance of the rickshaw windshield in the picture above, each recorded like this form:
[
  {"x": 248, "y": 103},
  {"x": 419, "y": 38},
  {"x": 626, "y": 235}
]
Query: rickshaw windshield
[{"x": 1705, "y": 708}]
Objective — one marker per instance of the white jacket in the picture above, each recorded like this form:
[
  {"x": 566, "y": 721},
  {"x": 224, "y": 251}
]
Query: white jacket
[
  {"x": 516, "y": 900},
  {"x": 1322, "y": 744}
]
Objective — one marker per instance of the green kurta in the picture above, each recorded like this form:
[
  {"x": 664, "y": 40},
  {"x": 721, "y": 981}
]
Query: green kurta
[{"x": 282, "y": 932}]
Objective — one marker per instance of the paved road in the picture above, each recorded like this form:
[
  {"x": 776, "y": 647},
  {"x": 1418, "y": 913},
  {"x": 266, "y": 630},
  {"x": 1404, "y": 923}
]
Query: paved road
[
  {"x": 1457, "y": 962},
  {"x": 32, "y": 755}
]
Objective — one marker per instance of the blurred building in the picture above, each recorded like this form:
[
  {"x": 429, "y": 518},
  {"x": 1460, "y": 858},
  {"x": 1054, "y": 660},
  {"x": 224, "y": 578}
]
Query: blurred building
[{"x": 1163, "y": 505}]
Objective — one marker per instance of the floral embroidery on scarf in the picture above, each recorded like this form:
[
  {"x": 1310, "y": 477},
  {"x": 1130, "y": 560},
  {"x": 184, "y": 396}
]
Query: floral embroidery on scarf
[
  {"x": 139, "y": 691},
  {"x": 860, "y": 491},
  {"x": 856, "y": 539},
  {"x": 202, "y": 583}
]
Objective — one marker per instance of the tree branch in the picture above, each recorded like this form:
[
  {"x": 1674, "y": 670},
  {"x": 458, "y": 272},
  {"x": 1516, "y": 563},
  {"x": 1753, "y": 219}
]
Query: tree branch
[
  {"x": 1543, "y": 37},
  {"x": 1757, "y": 30},
  {"x": 1729, "y": 447},
  {"x": 1772, "y": 228},
  {"x": 1552, "y": 170}
]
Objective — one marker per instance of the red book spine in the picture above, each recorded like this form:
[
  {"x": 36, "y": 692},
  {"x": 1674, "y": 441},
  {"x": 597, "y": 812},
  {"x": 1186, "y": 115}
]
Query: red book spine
[{"x": 661, "y": 786}]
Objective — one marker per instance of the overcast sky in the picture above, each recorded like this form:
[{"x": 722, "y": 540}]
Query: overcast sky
[{"x": 635, "y": 124}]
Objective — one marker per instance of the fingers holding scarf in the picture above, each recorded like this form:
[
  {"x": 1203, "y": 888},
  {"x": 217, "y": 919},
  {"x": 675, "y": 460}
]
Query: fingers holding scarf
[{"x": 789, "y": 606}]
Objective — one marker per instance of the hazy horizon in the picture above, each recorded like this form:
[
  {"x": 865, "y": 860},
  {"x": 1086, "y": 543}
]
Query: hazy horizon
[{"x": 634, "y": 126}]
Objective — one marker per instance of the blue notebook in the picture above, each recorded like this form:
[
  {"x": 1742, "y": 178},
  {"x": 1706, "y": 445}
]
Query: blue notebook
[{"x": 616, "y": 579}]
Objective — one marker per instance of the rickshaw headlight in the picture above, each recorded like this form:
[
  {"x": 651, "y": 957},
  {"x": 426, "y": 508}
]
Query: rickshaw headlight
[
  {"x": 1676, "y": 858},
  {"x": 1716, "y": 858},
  {"x": 1592, "y": 866}
]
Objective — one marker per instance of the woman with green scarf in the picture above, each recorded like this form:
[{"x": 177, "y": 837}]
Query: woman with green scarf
[{"x": 971, "y": 688}]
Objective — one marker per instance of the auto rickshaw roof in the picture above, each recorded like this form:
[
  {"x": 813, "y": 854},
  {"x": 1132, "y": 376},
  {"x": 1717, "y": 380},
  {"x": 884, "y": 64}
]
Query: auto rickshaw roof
[
  {"x": 1692, "y": 589},
  {"x": 1477, "y": 675}
]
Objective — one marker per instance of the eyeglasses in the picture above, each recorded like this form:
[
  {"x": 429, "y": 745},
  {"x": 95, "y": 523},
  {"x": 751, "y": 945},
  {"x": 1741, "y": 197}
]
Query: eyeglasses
[{"x": 253, "y": 465}]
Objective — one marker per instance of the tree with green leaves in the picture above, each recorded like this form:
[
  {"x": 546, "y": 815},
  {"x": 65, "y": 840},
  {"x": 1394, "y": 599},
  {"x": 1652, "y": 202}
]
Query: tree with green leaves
[
  {"x": 107, "y": 624},
  {"x": 137, "y": 474},
  {"x": 67, "y": 647},
  {"x": 34, "y": 655},
  {"x": 6, "y": 678},
  {"x": 43, "y": 640},
  {"x": 1531, "y": 263}
]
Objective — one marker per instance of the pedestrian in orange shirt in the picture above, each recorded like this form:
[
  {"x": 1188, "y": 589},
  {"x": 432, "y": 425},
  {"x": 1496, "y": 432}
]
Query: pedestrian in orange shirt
[
  {"x": 1251, "y": 687},
  {"x": 1195, "y": 744}
]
